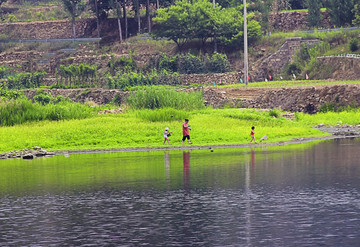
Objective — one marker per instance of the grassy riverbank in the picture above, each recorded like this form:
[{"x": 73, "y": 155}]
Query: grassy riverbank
[{"x": 133, "y": 129}]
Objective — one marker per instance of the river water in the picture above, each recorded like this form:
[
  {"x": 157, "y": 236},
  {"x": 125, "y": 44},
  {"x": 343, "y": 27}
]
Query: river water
[{"x": 296, "y": 195}]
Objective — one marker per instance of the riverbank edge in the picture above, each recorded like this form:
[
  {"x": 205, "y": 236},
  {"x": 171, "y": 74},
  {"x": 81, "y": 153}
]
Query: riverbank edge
[{"x": 215, "y": 146}]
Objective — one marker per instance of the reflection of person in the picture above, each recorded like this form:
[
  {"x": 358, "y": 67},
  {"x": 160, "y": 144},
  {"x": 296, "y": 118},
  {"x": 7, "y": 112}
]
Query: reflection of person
[
  {"x": 166, "y": 135},
  {"x": 252, "y": 134},
  {"x": 186, "y": 169},
  {"x": 186, "y": 129}
]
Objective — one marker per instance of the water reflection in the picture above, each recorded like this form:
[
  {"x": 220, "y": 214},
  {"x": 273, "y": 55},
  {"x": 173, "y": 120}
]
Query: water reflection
[
  {"x": 186, "y": 170},
  {"x": 308, "y": 195}
]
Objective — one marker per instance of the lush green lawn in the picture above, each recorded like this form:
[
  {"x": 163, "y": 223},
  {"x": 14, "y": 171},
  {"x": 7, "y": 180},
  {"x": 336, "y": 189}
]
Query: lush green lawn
[
  {"x": 295, "y": 83},
  {"x": 209, "y": 127}
]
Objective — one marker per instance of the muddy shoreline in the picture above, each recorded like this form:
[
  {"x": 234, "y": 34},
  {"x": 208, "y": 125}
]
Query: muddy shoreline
[{"x": 212, "y": 147}]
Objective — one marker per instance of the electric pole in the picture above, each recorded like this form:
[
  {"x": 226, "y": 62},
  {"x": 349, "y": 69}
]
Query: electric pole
[{"x": 246, "y": 65}]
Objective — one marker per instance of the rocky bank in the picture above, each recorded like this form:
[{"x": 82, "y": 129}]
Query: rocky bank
[{"x": 307, "y": 99}]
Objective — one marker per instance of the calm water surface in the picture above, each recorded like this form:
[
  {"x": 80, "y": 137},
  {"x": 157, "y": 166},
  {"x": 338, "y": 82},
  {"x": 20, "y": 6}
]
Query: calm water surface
[{"x": 303, "y": 195}]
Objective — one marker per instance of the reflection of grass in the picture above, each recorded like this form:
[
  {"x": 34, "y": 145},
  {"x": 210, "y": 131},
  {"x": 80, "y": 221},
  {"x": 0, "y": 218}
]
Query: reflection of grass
[{"x": 155, "y": 170}]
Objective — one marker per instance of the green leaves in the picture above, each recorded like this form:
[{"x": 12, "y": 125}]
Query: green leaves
[
  {"x": 199, "y": 20},
  {"x": 26, "y": 80}
]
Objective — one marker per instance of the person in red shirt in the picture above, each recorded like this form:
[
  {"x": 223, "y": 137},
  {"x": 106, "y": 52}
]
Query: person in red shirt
[
  {"x": 186, "y": 129},
  {"x": 252, "y": 134}
]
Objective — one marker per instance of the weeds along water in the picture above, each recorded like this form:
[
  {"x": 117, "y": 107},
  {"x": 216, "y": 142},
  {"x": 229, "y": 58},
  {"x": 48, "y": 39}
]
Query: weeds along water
[
  {"x": 131, "y": 130},
  {"x": 73, "y": 126}
]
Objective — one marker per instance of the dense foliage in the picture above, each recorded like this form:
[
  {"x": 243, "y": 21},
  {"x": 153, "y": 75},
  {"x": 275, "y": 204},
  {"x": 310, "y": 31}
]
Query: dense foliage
[
  {"x": 26, "y": 80},
  {"x": 126, "y": 80},
  {"x": 191, "y": 64},
  {"x": 77, "y": 74},
  {"x": 314, "y": 16},
  {"x": 187, "y": 20}
]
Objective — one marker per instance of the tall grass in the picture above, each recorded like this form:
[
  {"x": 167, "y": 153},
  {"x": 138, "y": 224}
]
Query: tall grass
[
  {"x": 162, "y": 115},
  {"x": 153, "y": 97},
  {"x": 22, "y": 110}
]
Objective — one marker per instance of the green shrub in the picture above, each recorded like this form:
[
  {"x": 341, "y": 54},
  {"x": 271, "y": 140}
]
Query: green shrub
[
  {"x": 190, "y": 64},
  {"x": 354, "y": 44},
  {"x": 26, "y": 80},
  {"x": 169, "y": 63},
  {"x": 44, "y": 98},
  {"x": 81, "y": 75},
  {"x": 124, "y": 64},
  {"x": 274, "y": 113},
  {"x": 217, "y": 63},
  {"x": 4, "y": 71},
  {"x": 127, "y": 80},
  {"x": 117, "y": 100},
  {"x": 293, "y": 68}
]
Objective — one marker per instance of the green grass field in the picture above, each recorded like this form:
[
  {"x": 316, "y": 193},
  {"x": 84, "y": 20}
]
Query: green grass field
[
  {"x": 133, "y": 129},
  {"x": 295, "y": 83}
]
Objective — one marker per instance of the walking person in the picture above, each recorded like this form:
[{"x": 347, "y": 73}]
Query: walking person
[
  {"x": 186, "y": 134},
  {"x": 167, "y": 134},
  {"x": 252, "y": 134}
]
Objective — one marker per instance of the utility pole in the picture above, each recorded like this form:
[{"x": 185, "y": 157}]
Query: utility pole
[
  {"x": 246, "y": 64},
  {"x": 215, "y": 43}
]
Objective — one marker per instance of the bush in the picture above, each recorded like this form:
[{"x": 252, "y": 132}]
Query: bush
[
  {"x": 44, "y": 98},
  {"x": 124, "y": 64},
  {"x": 26, "y": 80},
  {"x": 190, "y": 64},
  {"x": 217, "y": 63},
  {"x": 293, "y": 68},
  {"x": 169, "y": 63},
  {"x": 4, "y": 71},
  {"x": 354, "y": 44},
  {"x": 131, "y": 79},
  {"x": 274, "y": 113},
  {"x": 80, "y": 75}
]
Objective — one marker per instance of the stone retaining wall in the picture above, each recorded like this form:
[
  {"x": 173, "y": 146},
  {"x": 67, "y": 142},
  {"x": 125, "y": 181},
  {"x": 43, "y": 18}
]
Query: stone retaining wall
[
  {"x": 296, "y": 20},
  {"x": 210, "y": 79},
  {"x": 308, "y": 99},
  {"x": 45, "y": 29},
  {"x": 275, "y": 63}
]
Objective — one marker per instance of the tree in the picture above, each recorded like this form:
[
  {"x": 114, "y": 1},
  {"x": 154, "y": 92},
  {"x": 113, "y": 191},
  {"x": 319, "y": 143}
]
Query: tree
[
  {"x": 199, "y": 20},
  {"x": 74, "y": 8},
  {"x": 173, "y": 22},
  {"x": 356, "y": 12},
  {"x": 230, "y": 27},
  {"x": 279, "y": 5},
  {"x": 115, "y": 4},
  {"x": 1, "y": 2},
  {"x": 341, "y": 12},
  {"x": 314, "y": 13},
  {"x": 297, "y": 4}
]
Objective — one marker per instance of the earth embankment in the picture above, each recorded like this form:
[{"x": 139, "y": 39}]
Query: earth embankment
[{"x": 307, "y": 99}]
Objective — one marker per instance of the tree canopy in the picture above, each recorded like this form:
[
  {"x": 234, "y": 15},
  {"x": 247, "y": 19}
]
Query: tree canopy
[{"x": 185, "y": 21}]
